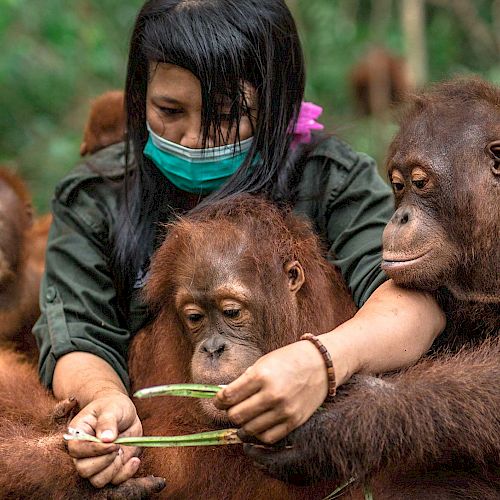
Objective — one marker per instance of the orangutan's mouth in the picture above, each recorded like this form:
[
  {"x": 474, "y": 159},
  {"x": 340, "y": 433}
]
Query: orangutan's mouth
[
  {"x": 396, "y": 264},
  {"x": 213, "y": 414}
]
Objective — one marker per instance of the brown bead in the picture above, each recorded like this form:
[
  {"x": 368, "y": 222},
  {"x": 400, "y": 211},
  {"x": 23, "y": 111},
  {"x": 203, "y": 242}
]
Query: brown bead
[{"x": 332, "y": 383}]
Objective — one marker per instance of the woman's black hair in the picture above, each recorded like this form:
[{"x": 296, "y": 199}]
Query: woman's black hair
[{"x": 225, "y": 44}]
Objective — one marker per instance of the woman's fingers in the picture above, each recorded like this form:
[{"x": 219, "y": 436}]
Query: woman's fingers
[
  {"x": 127, "y": 471},
  {"x": 88, "y": 467},
  {"x": 87, "y": 449},
  {"x": 112, "y": 468},
  {"x": 105, "y": 476},
  {"x": 264, "y": 422},
  {"x": 242, "y": 388},
  {"x": 89, "y": 422},
  {"x": 250, "y": 408},
  {"x": 277, "y": 432}
]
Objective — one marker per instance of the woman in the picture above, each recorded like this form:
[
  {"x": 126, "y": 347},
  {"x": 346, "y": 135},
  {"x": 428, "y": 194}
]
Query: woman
[{"x": 225, "y": 77}]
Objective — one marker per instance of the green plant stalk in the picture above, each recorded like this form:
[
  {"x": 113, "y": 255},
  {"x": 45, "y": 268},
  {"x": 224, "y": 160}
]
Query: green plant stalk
[
  {"x": 211, "y": 438},
  {"x": 202, "y": 391},
  {"x": 340, "y": 490},
  {"x": 368, "y": 493}
]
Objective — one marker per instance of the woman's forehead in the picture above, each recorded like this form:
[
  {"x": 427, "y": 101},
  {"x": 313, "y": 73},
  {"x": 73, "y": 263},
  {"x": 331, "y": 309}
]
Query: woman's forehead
[{"x": 174, "y": 83}]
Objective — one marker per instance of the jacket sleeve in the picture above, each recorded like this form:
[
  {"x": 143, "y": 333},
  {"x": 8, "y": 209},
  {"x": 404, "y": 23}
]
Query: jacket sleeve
[
  {"x": 358, "y": 205},
  {"x": 78, "y": 301},
  {"x": 349, "y": 204}
]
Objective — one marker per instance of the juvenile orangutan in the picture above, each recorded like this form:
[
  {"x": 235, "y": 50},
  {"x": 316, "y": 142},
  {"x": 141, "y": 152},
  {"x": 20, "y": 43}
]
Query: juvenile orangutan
[
  {"x": 22, "y": 250},
  {"x": 432, "y": 431},
  {"x": 227, "y": 287}
]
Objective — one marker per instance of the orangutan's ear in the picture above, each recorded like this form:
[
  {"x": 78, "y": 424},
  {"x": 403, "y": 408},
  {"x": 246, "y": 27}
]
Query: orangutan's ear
[
  {"x": 295, "y": 275},
  {"x": 493, "y": 150}
]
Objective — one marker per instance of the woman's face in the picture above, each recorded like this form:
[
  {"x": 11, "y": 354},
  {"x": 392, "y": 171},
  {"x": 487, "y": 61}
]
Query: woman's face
[{"x": 173, "y": 108}]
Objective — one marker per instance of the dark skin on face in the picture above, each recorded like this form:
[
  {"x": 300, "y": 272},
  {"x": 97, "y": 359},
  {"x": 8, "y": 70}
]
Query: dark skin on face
[
  {"x": 414, "y": 238},
  {"x": 222, "y": 316},
  {"x": 446, "y": 185}
]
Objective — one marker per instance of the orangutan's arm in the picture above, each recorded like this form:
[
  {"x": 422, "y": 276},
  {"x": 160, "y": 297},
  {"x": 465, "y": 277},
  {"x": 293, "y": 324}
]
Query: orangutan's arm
[{"x": 411, "y": 418}]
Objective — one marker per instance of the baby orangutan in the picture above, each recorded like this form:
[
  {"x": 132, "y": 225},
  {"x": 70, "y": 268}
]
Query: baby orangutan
[{"x": 228, "y": 286}]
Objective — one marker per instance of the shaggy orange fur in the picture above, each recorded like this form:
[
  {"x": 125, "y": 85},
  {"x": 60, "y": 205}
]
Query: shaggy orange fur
[
  {"x": 22, "y": 254},
  {"x": 261, "y": 241}
]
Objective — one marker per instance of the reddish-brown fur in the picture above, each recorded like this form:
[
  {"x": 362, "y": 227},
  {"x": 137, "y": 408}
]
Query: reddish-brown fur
[
  {"x": 378, "y": 80},
  {"x": 247, "y": 233},
  {"x": 106, "y": 122},
  {"x": 22, "y": 251},
  {"x": 34, "y": 463}
]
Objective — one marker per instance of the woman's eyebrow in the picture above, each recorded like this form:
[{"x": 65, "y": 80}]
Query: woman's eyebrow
[{"x": 167, "y": 99}]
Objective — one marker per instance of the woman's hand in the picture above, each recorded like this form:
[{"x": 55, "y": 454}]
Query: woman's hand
[
  {"x": 109, "y": 416},
  {"x": 278, "y": 393}
]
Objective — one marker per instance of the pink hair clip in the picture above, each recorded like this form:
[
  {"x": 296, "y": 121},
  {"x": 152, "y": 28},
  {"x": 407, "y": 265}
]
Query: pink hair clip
[{"x": 306, "y": 122}]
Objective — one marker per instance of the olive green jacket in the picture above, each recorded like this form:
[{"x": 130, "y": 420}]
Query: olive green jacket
[{"x": 341, "y": 192}]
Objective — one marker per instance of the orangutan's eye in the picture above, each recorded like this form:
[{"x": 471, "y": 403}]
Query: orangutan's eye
[
  {"x": 420, "y": 183},
  {"x": 397, "y": 186},
  {"x": 194, "y": 318},
  {"x": 231, "y": 313}
]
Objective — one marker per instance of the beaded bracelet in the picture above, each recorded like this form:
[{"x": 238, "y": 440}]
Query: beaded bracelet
[{"x": 332, "y": 384}]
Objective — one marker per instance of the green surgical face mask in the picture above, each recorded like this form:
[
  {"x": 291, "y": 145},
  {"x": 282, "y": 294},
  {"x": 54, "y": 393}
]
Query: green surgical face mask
[{"x": 198, "y": 171}]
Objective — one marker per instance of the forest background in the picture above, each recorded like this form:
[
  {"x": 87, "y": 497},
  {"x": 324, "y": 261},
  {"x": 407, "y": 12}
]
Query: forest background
[{"x": 57, "y": 55}]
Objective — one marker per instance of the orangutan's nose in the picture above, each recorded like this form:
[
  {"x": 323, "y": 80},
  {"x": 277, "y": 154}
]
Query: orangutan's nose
[
  {"x": 401, "y": 216},
  {"x": 214, "y": 346}
]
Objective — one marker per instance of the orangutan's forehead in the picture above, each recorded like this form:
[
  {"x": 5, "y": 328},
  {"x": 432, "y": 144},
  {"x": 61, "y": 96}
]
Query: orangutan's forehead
[{"x": 233, "y": 290}]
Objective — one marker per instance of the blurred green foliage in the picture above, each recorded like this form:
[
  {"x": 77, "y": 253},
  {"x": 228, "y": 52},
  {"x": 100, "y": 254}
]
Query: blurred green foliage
[{"x": 57, "y": 55}]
